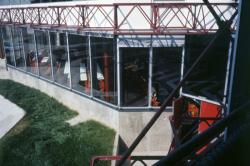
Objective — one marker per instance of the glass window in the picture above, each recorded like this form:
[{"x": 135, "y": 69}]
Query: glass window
[
  {"x": 43, "y": 52},
  {"x": 134, "y": 72},
  {"x": 208, "y": 78},
  {"x": 2, "y": 55},
  {"x": 30, "y": 50},
  {"x": 104, "y": 69},
  {"x": 166, "y": 73},
  {"x": 79, "y": 63},
  {"x": 61, "y": 66},
  {"x": 18, "y": 48},
  {"x": 8, "y": 46}
]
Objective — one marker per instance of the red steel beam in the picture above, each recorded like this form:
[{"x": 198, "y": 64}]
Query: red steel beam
[{"x": 118, "y": 18}]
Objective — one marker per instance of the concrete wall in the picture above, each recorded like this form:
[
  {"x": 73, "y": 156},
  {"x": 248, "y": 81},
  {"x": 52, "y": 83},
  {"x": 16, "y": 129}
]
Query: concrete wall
[{"x": 156, "y": 142}]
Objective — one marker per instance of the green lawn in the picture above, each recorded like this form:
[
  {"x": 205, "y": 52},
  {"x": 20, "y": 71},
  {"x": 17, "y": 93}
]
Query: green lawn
[{"x": 43, "y": 138}]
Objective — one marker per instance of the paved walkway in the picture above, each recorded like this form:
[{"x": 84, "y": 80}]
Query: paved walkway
[{"x": 10, "y": 114}]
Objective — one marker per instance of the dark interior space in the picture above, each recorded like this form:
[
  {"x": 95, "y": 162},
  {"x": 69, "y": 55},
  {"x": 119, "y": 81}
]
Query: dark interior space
[
  {"x": 208, "y": 78},
  {"x": 166, "y": 73},
  {"x": 134, "y": 71}
]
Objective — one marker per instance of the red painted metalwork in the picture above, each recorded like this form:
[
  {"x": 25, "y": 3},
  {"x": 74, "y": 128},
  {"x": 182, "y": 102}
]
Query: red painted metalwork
[
  {"x": 134, "y": 160},
  {"x": 208, "y": 110},
  {"x": 119, "y": 18},
  {"x": 104, "y": 158},
  {"x": 191, "y": 118}
]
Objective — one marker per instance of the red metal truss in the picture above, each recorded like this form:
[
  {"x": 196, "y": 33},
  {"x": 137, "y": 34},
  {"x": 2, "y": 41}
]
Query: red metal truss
[{"x": 123, "y": 18}]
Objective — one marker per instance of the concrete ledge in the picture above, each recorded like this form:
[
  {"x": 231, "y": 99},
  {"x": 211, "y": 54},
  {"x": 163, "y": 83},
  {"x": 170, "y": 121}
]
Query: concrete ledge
[{"x": 10, "y": 114}]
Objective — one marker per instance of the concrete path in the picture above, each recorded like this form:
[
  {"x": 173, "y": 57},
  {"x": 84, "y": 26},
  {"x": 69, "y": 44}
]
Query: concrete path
[{"x": 10, "y": 114}]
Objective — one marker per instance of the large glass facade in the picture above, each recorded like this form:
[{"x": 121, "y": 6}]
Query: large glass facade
[
  {"x": 88, "y": 65},
  {"x": 134, "y": 80},
  {"x": 79, "y": 63},
  {"x": 104, "y": 69},
  {"x": 43, "y": 53},
  {"x": 166, "y": 73},
  {"x": 8, "y": 45},
  {"x": 18, "y": 47},
  {"x": 61, "y": 66},
  {"x": 30, "y": 50}
]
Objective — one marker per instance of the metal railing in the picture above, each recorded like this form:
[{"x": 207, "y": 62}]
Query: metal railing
[{"x": 132, "y": 159}]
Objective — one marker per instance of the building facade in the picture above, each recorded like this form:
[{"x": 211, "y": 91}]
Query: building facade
[{"x": 117, "y": 62}]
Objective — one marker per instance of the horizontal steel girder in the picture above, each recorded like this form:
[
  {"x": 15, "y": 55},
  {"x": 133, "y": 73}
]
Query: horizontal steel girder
[{"x": 124, "y": 19}]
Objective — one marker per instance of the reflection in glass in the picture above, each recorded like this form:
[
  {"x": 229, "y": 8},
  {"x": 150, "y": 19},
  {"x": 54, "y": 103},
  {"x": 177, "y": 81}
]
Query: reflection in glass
[
  {"x": 61, "y": 66},
  {"x": 79, "y": 63},
  {"x": 8, "y": 46},
  {"x": 43, "y": 52},
  {"x": 18, "y": 48},
  {"x": 104, "y": 69},
  {"x": 134, "y": 71},
  {"x": 30, "y": 50},
  {"x": 166, "y": 73}
]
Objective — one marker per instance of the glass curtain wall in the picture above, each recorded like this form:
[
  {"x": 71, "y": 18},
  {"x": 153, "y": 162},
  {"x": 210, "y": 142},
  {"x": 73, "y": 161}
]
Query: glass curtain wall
[
  {"x": 97, "y": 54},
  {"x": 166, "y": 73},
  {"x": 30, "y": 50},
  {"x": 43, "y": 52},
  {"x": 61, "y": 66},
  {"x": 8, "y": 46},
  {"x": 79, "y": 63},
  {"x": 104, "y": 69},
  {"x": 18, "y": 47},
  {"x": 134, "y": 76}
]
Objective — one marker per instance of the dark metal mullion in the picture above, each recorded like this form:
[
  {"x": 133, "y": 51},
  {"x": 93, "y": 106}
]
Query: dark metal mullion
[{"x": 12, "y": 42}]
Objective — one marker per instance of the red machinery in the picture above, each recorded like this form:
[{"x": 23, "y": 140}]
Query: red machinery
[{"x": 192, "y": 117}]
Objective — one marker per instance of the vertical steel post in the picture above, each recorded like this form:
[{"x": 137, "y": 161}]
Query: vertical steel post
[
  {"x": 67, "y": 42},
  {"x": 150, "y": 73},
  {"x": 10, "y": 18},
  {"x": 91, "y": 66},
  {"x": 227, "y": 75},
  {"x": 12, "y": 43},
  {"x": 39, "y": 16},
  {"x": 24, "y": 56},
  {"x": 83, "y": 15},
  {"x": 182, "y": 64},
  {"x": 118, "y": 72},
  {"x": 51, "y": 57},
  {"x": 58, "y": 16},
  {"x": 155, "y": 17},
  {"x": 115, "y": 19},
  {"x": 23, "y": 16},
  {"x": 36, "y": 54}
]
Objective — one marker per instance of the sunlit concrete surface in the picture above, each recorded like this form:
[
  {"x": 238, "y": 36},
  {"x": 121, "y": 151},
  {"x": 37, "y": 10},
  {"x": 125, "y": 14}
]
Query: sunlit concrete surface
[
  {"x": 10, "y": 114},
  {"x": 3, "y": 71}
]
